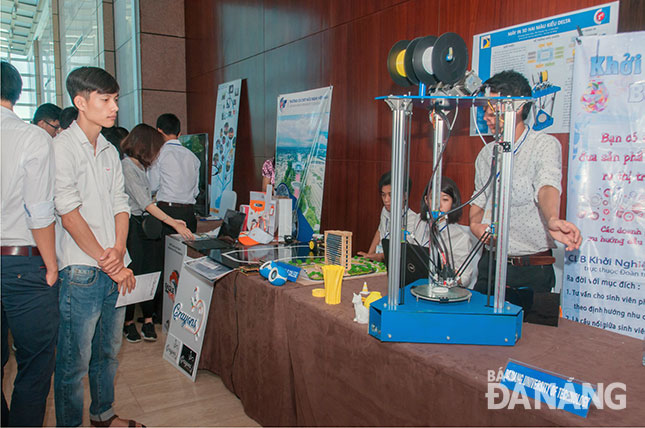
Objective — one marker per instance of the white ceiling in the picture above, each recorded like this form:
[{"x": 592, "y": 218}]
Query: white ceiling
[{"x": 18, "y": 20}]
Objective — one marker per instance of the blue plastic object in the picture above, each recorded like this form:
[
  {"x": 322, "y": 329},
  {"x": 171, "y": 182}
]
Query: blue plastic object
[
  {"x": 543, "y": 120},
  {"x": 265, "y": 269},
  {"x": 422, "y": 321},
  {"x": 292, "y": 271},
  {"x": 277, "y": 276},
  {"x": 274, "y": 272}
]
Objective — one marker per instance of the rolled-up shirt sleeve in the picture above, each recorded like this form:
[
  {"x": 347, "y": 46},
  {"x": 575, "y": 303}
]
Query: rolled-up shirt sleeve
[
  {"x": 66, "y": 195},
  {"x": 548, "y": 171},
  {"x": 38, "y": 185},
  {"x": 119, "y": 197}
]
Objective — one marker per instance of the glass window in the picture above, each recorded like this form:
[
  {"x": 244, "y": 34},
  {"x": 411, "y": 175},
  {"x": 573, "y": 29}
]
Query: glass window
[{"x": 26, "y": 105}]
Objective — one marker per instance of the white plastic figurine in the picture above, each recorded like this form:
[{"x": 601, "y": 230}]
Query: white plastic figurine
[{"x": 362, "y": 313}]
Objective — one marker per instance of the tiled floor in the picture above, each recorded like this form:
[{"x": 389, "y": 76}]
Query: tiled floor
[{"x": 153, "y": 392}]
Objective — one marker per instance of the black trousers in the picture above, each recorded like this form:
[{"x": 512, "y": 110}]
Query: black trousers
[
  {"x": 146, "y": 258},
  {"x": 30, "y": 311},
  {"x": 186, "y": 214},
  {"x": 539, "y": 278}
]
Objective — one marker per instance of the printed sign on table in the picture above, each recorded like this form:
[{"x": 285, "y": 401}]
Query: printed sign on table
[{"x": 557, "y": 391}]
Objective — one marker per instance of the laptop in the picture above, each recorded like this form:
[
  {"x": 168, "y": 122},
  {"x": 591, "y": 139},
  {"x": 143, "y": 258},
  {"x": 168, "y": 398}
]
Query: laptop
[
  {"x": 227, "y": 236},
  {"x": 417, "y": 260}
]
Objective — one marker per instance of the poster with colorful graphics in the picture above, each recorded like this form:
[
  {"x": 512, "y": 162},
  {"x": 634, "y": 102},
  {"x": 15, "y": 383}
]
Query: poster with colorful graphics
[
  {"x": 301, "y": 152},
  {"x": 224, "y": 141},
  {"x": 604, "y": 282},
  {"x": 533, "y": 48},
  {"x": 188, "y": 322}
]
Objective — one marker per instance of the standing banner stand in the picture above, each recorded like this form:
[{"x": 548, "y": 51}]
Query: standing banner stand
[
  {"x": 188, "y": 323},
  {"x": 188, "y": 289},
  {"x": 224, "y": 142},
  {"x": 301, "y": 152},
  {"x": 604, "y": 282}
]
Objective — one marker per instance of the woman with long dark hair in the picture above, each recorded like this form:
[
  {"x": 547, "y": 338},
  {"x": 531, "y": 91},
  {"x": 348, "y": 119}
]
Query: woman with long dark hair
[{"x": 141, "y": 147}]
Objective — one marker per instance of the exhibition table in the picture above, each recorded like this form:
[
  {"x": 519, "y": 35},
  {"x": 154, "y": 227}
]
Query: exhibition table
[
  {"x": 293, "y": 360},
  {"x": 246, "y": 344}
]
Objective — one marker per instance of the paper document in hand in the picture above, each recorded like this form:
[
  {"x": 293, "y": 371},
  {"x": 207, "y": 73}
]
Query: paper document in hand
[
  {"x": 144, "y": 290},
  {"x": 208, "y": 268}
]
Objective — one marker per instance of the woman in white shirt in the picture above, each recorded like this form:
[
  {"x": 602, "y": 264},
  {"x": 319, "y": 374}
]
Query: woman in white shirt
[
  {"x": 453, "y": 241},
  {"x": 141, "y": 147}
]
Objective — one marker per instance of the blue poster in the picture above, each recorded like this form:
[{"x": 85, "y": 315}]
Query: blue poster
[{"x": 604, "y": 282}]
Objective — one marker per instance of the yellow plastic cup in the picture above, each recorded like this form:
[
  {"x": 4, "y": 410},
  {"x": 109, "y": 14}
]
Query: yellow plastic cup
[{"x": 333, "y": 276}]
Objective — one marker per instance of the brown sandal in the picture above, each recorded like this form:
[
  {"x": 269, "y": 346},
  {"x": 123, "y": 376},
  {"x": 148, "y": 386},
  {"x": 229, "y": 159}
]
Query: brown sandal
[{"x": 108, "y": 423}]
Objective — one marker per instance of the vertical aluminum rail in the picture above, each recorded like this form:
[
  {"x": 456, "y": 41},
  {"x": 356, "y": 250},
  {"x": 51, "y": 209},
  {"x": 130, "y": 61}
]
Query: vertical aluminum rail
[
  {"x": 435, "y": 190},
  {"x": 506, "y": 171},
  {"x": 436, "y": 159},
  {"x": 400, "y": 109}
]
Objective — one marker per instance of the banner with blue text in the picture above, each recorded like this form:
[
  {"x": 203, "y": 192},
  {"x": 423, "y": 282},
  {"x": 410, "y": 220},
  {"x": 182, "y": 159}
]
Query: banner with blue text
[{"x": 604, "y": 282}]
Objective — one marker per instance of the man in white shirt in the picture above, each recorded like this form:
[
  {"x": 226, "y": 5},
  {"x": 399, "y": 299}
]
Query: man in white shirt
[
  {"x": 47, "y": 116},
  {"x": 534, "y": 218},
  {"x": 375, "y": 251},
  {"x": 174, "y": 175},
  {"x": 94, "y": 211},
  {"x": 29, "y": 269}
]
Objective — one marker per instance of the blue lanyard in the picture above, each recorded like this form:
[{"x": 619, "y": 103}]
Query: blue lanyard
[
  {"x": 522, "y": 142},
  {"x": 517, "y": 148}
]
